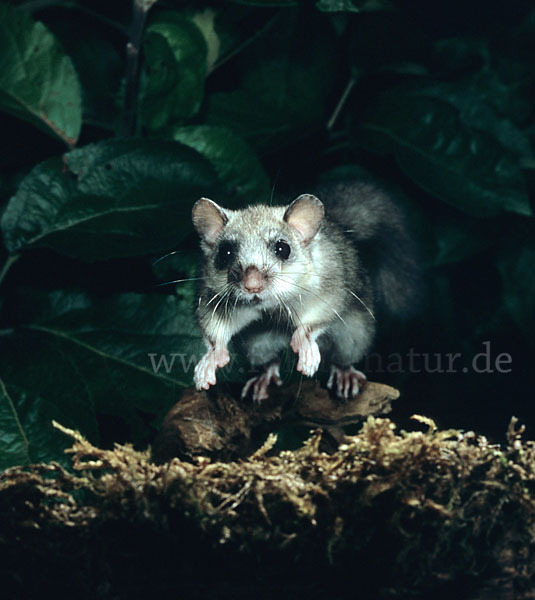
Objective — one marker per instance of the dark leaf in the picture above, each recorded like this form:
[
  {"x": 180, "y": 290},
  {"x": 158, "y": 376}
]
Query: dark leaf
[
  {"x": 125, "y": 355},
  {"x": 501, "y": 81},
  {"x": 112, "y": 199},
  {"x": 462, "y": 166},
  {"x": 353, "y": 5},
  {"x": 14, "y": 445},
  {"x": 239, "y": 170},
  {"x": 26, "y": 432},
  {"x": 284, "y": 86},
  {"x": 38, "y": 82},
  {"x": 99, "y": 66},
  {"x": 481, "y": 101},
  {"x": 175, "y": 51},
  {"x": 267, "y": 2}
]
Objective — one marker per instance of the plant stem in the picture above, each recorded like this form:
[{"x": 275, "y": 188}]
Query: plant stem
[
  {"x": 133, "y": 47},
  {"x": 7, "y": 265},
  {"x": 341, "y": 102}
]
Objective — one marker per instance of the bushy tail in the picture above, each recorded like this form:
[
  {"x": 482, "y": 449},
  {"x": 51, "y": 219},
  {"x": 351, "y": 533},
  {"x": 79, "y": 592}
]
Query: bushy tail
[{"x": 375, "y": 220}]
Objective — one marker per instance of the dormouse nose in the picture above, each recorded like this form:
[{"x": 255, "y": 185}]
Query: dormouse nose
[{"x": 253, "y": 280}]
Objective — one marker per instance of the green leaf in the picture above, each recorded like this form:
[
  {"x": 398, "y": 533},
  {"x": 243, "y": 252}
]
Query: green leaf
[
  {"x": 234, "y": 161},
  {"x": 464, "y": 167},
  {"x": 205, "y": 21},
  {"x": 284, "y": 86},
  {"x": 14, "y": 445},
  {"x": 475, "y": 99},
  {"x": 111, "y": 199},
  {"x": 124, "y": 355},
  {"x": 38, "y": 82},
  {"x": 175, "y": 52},
  {"x": 26, "y": 432},
  {"x": 500, "y": 79},
  {"x": 99, "y": 65}
]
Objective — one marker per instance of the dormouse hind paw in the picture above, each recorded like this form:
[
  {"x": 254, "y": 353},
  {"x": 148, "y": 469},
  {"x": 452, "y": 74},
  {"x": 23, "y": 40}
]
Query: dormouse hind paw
[
  {"x": 260, "y": 384},
  {"x": 346, "y": 381}
]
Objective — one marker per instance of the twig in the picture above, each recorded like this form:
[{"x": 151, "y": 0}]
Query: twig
[
  {"x": 133, "y": 47},
  {"x": 341, "y": 102}
]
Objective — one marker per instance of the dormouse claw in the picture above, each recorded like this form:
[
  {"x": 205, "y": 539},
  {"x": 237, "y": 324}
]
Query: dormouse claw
[
  {"x": 261, "y": 383},
  {"x": 347, "y": 381}
]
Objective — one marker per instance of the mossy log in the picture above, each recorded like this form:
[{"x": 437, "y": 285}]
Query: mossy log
[{"x": 388, "y": 514}]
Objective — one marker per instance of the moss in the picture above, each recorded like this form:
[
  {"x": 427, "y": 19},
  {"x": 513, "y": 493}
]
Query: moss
[{"x": 391, "y": 512}]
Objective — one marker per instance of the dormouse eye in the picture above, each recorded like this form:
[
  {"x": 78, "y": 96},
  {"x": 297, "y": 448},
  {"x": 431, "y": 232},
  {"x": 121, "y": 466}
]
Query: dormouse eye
[
  {"x": 225, "y": 255},
  {"x": 282, "y": 249}
]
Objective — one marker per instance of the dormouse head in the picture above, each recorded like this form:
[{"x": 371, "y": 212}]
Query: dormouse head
[{"x": 260, "y": 253}]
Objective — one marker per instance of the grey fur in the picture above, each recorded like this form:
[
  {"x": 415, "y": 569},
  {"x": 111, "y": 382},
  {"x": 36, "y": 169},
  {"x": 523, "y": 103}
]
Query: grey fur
[
  {"x": 378, "y": 227},
  {"x": 361, "y": 263}
]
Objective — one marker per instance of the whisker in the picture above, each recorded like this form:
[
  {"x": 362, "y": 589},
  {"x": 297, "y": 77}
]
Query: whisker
[
  {"x": 362, "y": 302},
  {"x": 216, "y": 295},
  {"x": 179, "y": 281},
  {"x": 273, "y": 187},
  {"x": 225, "y": 295},
  {"x": 284, "y": 305},
  {"x": 309, "y": 291},
  {"x": 296, "y": 273},
  {"x": 165, "y": 256}
]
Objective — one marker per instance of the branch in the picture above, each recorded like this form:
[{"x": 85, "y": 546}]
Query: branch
[{"x": 133, "y": 48}]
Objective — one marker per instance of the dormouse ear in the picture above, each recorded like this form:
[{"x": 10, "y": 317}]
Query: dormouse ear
[
  {"x": 208, "y": 219},
  {"x": 305, "y": 215}
]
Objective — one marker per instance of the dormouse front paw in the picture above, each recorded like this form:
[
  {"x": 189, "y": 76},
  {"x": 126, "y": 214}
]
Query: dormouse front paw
[
  {"x": 204, "y": 375},
  {"x": 308, "y": 351}
]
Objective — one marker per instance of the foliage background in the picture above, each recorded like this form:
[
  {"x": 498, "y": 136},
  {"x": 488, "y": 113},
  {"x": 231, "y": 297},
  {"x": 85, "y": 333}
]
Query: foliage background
[{"x": 236, "y": 99}]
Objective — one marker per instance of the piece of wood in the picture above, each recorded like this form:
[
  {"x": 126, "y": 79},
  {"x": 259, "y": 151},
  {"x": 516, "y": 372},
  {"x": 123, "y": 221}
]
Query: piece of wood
[{"x": 217, "y": 425}]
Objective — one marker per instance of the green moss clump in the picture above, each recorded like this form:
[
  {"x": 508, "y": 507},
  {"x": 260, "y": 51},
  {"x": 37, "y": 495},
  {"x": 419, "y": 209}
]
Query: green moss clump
[{"x": 393, "y": 513}]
